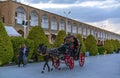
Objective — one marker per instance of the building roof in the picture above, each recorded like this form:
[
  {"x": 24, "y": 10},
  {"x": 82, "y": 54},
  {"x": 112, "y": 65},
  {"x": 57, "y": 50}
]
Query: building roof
[{"x": 11, "y": 31}]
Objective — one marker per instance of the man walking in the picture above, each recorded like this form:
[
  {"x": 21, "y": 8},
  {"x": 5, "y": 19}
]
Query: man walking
[
  {"x": 46, "y": 59},
  {"x": 20, "y": 56},
  {"x": 25, "y": 54}
]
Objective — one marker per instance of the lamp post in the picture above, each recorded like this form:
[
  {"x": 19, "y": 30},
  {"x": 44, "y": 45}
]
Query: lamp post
[
  {"x": 24, "y": 23},
  {"x": 66, "y": 16}
]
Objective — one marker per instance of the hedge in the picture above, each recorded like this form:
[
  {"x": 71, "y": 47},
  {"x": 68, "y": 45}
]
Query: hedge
[{"x": 6, "y": 48}]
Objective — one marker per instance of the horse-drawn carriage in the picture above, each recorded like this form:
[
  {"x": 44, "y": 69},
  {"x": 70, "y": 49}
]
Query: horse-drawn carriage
[{"x": 64, "y": 54}]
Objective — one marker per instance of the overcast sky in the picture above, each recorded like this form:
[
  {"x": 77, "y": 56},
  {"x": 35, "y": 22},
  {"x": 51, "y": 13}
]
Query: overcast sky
[{"x": 104, "y": 14}]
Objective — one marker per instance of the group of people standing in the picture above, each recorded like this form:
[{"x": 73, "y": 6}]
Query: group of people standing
[{"x": 22, "y": 55}]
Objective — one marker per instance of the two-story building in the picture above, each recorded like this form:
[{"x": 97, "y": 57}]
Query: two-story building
[{"x": 16, "y": 14}]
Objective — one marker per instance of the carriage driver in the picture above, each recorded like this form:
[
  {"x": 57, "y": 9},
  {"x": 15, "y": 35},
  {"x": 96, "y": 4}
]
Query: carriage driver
[
  {"x": 72, "y": 42},
  {"x": 67, "y": 39},
  {"x": 75, "y": 45}
]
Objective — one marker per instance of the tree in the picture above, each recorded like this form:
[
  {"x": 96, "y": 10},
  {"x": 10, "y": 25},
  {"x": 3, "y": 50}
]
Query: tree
[
  {"x": 59, "y": 38},
  {"x": 101, "y": 50},
  {"x": 6, "y": 49},
  {"x": 83, "y": 48},
  {"x": 108, "y": 46},
  {"x": 91, "y": 45},
  {"x": 38, "y": 36},
  {"x": 113, "y": 42},
  {"x": 118, "y": 45}
]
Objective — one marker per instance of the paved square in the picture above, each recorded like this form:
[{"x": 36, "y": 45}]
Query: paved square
[{"x": 101, "y": 66}]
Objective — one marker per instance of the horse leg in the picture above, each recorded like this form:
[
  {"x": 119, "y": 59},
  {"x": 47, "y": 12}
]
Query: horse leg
[{"x": 52, "y": 63}]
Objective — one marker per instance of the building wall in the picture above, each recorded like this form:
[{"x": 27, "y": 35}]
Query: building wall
[{"x": 8, "y": 12}]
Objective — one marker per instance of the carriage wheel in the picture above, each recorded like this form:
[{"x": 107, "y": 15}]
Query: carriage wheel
[
  {"x": 56, "y": 63},
  {"x": 81, "y": 59},
  {"x": 67, "y": 59},
  {"x": 71, "y": 62}
]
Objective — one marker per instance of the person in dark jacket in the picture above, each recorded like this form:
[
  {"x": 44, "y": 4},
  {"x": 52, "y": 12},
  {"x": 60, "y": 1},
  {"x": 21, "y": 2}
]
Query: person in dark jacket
[
  {"x": 20, "y": 56},
  {"x": 25, "y": 53},
  {"x": 75, "y": 46},
  {"x": 46, "y": 57}
]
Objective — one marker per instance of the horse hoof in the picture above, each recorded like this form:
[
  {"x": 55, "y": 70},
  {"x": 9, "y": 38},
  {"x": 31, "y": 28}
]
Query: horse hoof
[
  {"x": 48, "y": 70},
  {"x": 42, "y": 72},
  {"x": 51, "y": 69},
  {"x": 59, "y": 68}
]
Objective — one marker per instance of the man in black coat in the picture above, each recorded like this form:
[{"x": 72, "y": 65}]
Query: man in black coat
[
  {"x": 20, "y": 56},
  {"x": 46, "y": 57}
]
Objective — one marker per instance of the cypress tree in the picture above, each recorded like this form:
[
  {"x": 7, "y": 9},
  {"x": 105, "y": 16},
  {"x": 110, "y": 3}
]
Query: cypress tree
[
  {"x": 6, "y": 49},
  {"x": 91, "y": 45},
  {"x": 114, "y": 44},
  {"x": 59, "y": 38},
  {"x": 38, "y": 36},
  {"x": 108, "y": 46},
  {"x": 83, "y": 48}
]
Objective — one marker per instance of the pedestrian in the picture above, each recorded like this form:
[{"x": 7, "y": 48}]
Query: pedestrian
[
  {"x": 25, "y": 54},
  {"x": 46, "y": 57},
  {"x": 20, "y": 56}
]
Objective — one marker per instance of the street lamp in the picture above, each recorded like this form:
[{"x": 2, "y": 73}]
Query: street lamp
[
  {"x": 24, "y": 23},
  {"x": 66, "y": 16}
]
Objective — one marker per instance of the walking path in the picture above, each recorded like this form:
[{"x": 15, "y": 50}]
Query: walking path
[{"x": 101, "y": 66}]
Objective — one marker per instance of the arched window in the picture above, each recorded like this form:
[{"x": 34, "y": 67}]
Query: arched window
[
  {"x": 88, "y": 31},
  {"x": 80, "y": 29},
  {"x": 92, "y": 31},
  {"x": 84, "y": 30},
  {"x": 62, "y": 25},
  {"x": 33, "y": 18},
  {"x": 99, "y": 34},
  {"x": 102, "y": 34},
  {"x": 3, "y": 19},
  {"x": 45, "y": 22},
  {"x": 68, "y": 26},
  {"x": 54, "y": 24},
  {"x": 74, "y": 28},
  {"x": 20, "y": 15}
]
